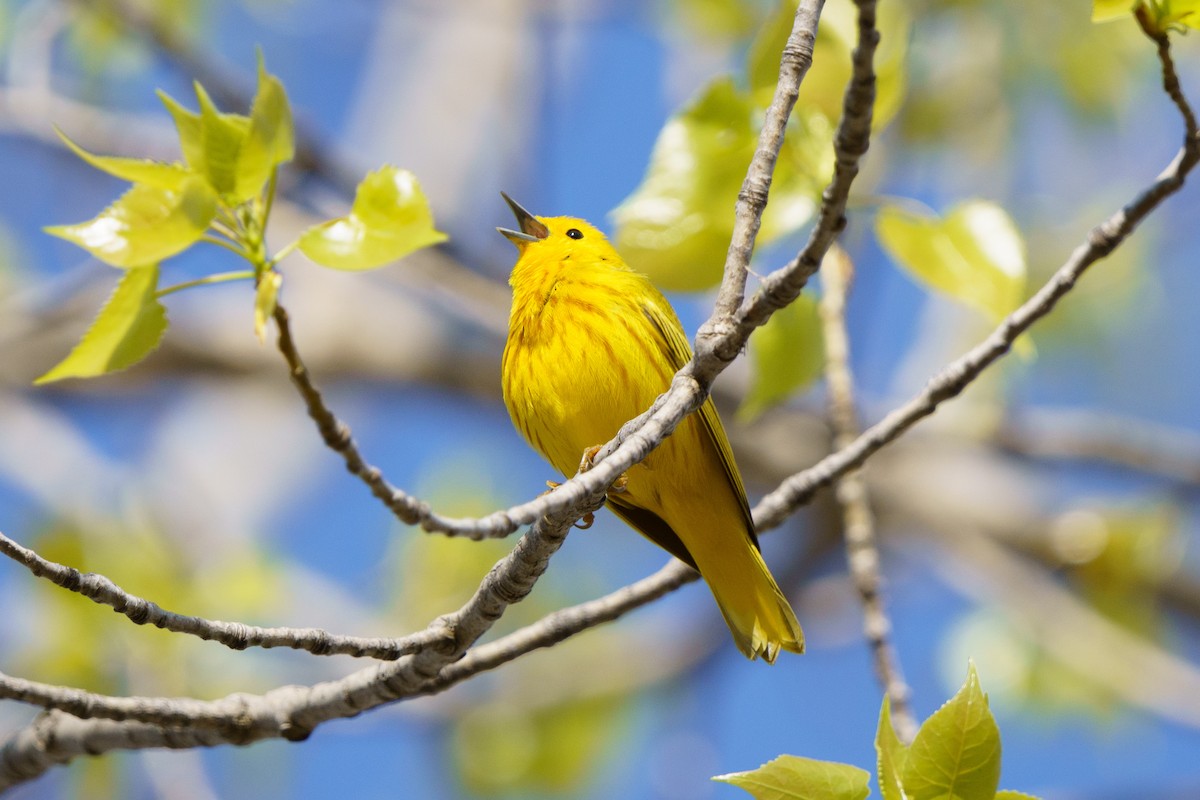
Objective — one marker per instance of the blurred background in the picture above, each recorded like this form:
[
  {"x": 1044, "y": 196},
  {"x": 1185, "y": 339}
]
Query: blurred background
[{"x": 1044, "y": 524}]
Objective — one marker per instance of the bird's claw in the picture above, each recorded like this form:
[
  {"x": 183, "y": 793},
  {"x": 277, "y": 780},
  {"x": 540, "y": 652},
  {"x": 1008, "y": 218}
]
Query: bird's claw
[
  {"x": 586, "y": 521},
  {"x": 620, "y": 485}
]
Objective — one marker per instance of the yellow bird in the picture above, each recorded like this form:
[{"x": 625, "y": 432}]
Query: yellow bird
[{"x": 591, "y": 343}]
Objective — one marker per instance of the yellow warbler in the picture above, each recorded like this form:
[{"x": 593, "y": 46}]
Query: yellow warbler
[{"x": 591, "y": 343}]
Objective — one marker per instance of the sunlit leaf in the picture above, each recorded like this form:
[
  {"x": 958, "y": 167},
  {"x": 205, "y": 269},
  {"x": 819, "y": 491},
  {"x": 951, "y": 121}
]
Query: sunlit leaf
[
  {"x": 891, "y": 755},
  {"x": 1177, "y": 14},
  {"x": 390, "y": 218},
  {"x": 126, "y": 330},
  {"x": 135, "y": 170},
  {"x": 1009, "y": 794},
  {"x": 270, "y": 140},
  {"x": 146, "y": 224},
  {"x": 1105, "y": 10},
  {"x": 211, "y": 141},
  {"x": 786, "y": 354},
  {"x": 974, "y": 254},
  {"x": 796, "y": 778},
  {"x": 677, "y": 224},
  {"x": 956, "y": 754},
  {"x": 265, "y": 298}
]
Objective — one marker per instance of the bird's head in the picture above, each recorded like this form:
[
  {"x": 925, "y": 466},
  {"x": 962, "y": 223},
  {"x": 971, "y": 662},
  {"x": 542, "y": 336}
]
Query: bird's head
[{"x": 558, "y": 238}]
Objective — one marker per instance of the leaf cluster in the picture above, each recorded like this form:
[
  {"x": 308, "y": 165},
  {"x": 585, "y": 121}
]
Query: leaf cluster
[
  {"x": 221, "y": 193},
  {"x": 955, "y": 756}
]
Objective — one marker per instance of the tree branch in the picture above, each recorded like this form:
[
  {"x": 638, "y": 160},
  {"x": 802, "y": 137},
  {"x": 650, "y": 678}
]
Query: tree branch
[
  {"x": 752, "y": 198},
  {"x": 1101, "y": 241},
  {"x": 858, "y": 522},
  {"x": 289, "y": 712},
  {"x": 235, "y": 635}
]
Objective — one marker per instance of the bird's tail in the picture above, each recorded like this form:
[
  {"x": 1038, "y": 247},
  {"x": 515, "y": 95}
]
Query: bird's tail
[{"x": 758, "y": 615}]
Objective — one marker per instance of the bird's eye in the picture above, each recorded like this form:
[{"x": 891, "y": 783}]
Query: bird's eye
[{"x": 575, "y": 233}]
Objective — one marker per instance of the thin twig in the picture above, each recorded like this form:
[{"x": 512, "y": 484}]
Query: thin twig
[
  {"x": 752, "y": 198},
  {"x": 234, "y": 635},
  {"x": 336, "y": 433},
  {"x": 862, "y": 551}
]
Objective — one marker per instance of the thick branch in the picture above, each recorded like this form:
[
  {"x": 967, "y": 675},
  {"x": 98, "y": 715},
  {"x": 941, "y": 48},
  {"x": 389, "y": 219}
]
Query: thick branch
[{"x": 290, "y": 712}]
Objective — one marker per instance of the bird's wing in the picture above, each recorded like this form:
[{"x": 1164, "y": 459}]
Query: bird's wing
[
  {"x": 652, "y": 526},
  {"x": 664, "y": 321}
]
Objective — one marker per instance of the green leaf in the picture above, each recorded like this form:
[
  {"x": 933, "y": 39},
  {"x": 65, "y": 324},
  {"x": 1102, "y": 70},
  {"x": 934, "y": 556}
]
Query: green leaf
[
  {"x": 1175, "y": 14},
  {"x": 1105, "y": 10},
  {"x": 265, "y": 298},
  {"x": 677, "y": 224},
  {"x": 134, "y": 170},
  {"x": 786, "y": 354},
  {"x": 211, "y": 141},
  {"x": 1009, "y": 794},
  {"x": 796, "y": 778},
  {"x": 126, "y": 330},
  {"x": 956, "y": 755},
  {"x": 891, "y": 755},
  {"x": 975, "y": 254},
  {"x": 270, "y": 140},
  {"x": 146, "y": 224},
  {"x": 390, "y": 218}
]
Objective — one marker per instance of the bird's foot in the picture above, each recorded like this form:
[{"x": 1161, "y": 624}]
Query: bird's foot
[
  {"x": 620, "y": 485},
  {"x": 586, "y": 521}
]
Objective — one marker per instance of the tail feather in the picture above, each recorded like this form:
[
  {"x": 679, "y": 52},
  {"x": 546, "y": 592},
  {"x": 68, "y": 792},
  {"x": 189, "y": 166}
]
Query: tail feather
[{"x": 757, "y": 613}]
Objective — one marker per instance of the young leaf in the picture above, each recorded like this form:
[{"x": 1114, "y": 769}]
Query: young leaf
[
  {"x": 146, "y": 224},
  {"x": 270, "y": 140},
  {"x": 975, "y": 254},
  {"x": 222, "y": 136},
  {"x": 390, "y": 218},
  {"x": 796, "y": 778},
  {"x": 1105, "y": 10},
  {"x": 1009, "y": 794},
  {"x": 265, "y": 298},
  {"x": 891, "y": 755},
  {"x": 126, "y": 330},
  {"x": 676, "y": 225},
  {"x": 1176, "y": 14},
  {"x": 785, "y": 355},
  {"x": 134, "y": 170},
  {"x": 211, "y": 141},
  {"x": 957, "y": 752}
]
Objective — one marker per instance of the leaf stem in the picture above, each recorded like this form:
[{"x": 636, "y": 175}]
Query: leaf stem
[
  {"x": 220, "y": 277},
  {"x": 232, "y": 247},
  {"x": 284, "y": 252}
]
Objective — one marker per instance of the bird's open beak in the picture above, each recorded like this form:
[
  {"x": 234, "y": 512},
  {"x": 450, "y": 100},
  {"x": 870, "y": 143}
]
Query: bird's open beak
[{"x": 531, "y": 229}]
